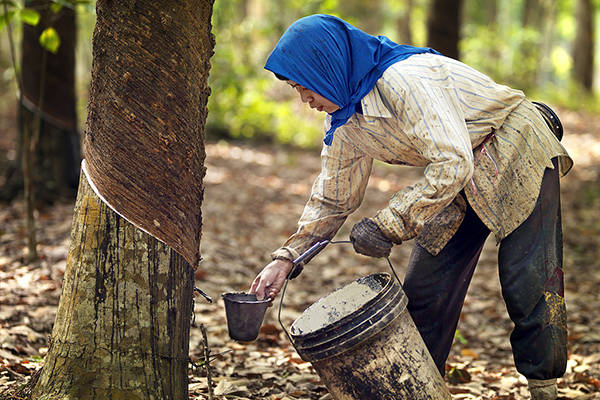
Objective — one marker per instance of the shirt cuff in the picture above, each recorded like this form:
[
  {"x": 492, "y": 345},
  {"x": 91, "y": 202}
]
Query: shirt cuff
[
  {"x": 390, "y": 229},
  {"x": 285, "y": 253}
]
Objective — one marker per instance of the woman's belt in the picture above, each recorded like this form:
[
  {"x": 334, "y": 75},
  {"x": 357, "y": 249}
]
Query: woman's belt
[{"x": 551, "y": 119}]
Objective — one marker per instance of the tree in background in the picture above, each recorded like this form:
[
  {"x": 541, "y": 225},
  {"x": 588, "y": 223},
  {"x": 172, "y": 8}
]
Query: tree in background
[
  {"x": 367, "y": 15},
  {"x": 583, "y": 48},
  {"x": 404, "y": 23},
  {"x": 547, "y": 29},
  {"x": 532, "y": 22},
  {"x": 123, "y": 321},
  {"x": 444, "y": 26},
  {"x": 47, "y": 114}
]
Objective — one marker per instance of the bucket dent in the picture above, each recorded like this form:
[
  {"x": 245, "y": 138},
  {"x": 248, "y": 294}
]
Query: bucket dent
[
  {"x": 393, "y": 365},
  {"x": 363, "y": 344}
]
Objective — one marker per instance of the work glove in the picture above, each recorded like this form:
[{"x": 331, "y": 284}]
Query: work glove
[{"x": 368, "y": 239}]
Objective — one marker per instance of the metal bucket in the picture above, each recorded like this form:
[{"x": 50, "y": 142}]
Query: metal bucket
[
  {"x": 244, "y": 315},
  {"x": 363, "y": 344}
]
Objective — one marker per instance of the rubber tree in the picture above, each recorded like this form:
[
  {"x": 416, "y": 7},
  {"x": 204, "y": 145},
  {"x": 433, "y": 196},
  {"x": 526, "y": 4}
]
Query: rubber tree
[
  {"x": 583, "y": 47},
  {"x": 403, "y": 23},
  {"x": 444, "y": 25},
  {"x": 123, "y": 320},
  {"x": 47, "y": 112}
]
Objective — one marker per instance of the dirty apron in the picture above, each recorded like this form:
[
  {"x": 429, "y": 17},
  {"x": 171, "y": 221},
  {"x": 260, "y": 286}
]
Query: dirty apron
[{"x": 531, "y": 277}]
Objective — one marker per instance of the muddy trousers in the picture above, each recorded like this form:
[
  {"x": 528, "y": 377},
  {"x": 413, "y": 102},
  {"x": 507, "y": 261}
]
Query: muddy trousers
[{"x": 530, "y": 269}]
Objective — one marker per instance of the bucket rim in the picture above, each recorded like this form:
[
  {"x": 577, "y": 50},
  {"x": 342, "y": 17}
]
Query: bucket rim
[
  {"x": 346, "y": 336},
  {"x": 360, "y": 322},
  {"x": 348, "y": 339},
  {"x": 383, "y": 293},
  {"x": 227, "y": 298}
]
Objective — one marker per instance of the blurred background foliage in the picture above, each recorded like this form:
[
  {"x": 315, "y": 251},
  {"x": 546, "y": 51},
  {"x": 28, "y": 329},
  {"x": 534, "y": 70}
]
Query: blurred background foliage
[
  {"x": 525, "y": 44},
  {"x": 521, "y": 43}
]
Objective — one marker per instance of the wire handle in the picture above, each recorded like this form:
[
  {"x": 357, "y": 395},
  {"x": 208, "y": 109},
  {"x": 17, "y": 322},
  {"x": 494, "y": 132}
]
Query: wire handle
[{"x": 311, "y": 252}]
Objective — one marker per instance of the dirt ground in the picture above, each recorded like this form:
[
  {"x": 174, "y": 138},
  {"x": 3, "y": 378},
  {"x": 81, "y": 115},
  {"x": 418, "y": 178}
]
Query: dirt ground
[{"x": 254, "y": 195}]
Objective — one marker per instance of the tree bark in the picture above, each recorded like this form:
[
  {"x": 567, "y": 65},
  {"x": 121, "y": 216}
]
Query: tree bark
[
  {"x": 48, "y": 93},
  {"x": 145, "y": 126},
  {"x": 123, "y": 321},
  {"x": 583, "y": 49},
  {"x": 444, "y": 25},
  {"x": 122, "y": 326}
]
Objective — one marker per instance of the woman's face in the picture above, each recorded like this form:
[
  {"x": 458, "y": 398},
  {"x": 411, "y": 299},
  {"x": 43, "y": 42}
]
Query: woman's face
[{"x": 313, "y": 99}]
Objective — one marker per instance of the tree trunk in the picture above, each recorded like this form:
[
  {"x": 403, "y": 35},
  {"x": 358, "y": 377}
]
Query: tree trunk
[
  {"x": 48, "y": 93},
  {"x": 534, "y": 18},
  {"x": 532, "y": 13},
  {"x": 547, "y": 21},
  {"x": 443, "y": 26},
  {"x": 122, "y": 326},
  {"x": 583, "y": 50},
  {"x": 404, "y": 23},
  {"x": 492, "y": 12},
  {"x": 123, "y": 321}
]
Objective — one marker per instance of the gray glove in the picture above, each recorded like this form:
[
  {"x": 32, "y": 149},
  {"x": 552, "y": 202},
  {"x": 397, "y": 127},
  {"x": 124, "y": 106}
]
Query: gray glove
[{"x": 368, "y": 239}]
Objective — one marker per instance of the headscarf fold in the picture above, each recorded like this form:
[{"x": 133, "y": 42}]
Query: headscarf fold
[{"x": 336, "y": 60}]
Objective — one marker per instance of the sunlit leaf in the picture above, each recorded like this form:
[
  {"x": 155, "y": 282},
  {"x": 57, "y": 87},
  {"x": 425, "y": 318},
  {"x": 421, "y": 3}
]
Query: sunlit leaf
[
  {"x": 458, "y": 336},
  {"x": 64, "y": 3},
  {"x": 29, "y": 16},
  {"x": 87, "y": 5},
  {"x": 561, "y": 61},
  {"x": 55, "y": 8},
  {"x": 50, "y": 40}
]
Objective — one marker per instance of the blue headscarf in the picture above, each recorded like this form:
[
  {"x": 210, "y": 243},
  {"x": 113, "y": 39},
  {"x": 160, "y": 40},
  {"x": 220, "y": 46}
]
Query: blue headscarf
[{"x": 336, "y": 60}]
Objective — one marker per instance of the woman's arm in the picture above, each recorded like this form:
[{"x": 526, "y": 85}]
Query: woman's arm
[
  {"x": 431, "y": 116},
  {"x": 336, "y": 193}
]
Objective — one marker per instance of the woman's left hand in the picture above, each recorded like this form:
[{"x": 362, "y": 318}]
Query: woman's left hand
[
  {"x": 270, "y": 280},
  {"x": 369, "y": 240}
]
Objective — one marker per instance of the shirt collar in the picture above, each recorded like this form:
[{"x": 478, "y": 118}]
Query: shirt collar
[{"x": 373, "y": 105}]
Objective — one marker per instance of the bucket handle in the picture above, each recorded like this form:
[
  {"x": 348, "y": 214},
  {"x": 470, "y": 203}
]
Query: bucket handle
[{"x": 310, "y": 253}]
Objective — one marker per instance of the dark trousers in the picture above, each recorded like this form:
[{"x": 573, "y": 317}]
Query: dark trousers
[{"x": 530, "y": 268}]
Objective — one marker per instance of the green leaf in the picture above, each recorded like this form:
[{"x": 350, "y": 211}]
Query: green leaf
[
  {"x": 64, "y": 3},
  {"x": 87, "y": 5},
  {"x": 50, "y": 40},
  {"x": 29, "y": 16},
  {"x": 55, "y": 8},
  {"x": 6, "y": 17},
  {"x": 458, "y": 336}
]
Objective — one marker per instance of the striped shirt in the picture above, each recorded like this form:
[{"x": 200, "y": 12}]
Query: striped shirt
[{"x": 475, "y": 138}]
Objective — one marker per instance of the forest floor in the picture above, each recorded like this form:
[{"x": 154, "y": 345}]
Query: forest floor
[{"x": 254, "y": 195}]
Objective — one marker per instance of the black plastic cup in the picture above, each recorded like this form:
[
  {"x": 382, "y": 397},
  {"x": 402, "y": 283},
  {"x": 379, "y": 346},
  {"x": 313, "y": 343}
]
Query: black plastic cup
[{"x": 244, "y": 314}]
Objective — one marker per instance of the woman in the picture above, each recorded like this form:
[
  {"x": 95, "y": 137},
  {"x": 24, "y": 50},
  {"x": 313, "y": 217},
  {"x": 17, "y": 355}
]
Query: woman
[{"x": 491, "y": 165}]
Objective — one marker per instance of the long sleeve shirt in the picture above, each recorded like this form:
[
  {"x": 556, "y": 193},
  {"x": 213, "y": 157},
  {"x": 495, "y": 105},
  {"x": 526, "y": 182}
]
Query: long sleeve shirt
[{"x": 472, "y": 135}]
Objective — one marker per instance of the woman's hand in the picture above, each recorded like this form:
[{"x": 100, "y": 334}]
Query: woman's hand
[
  {"x": 270, "y": 280},
  {"x": 368, "y": 239}
]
